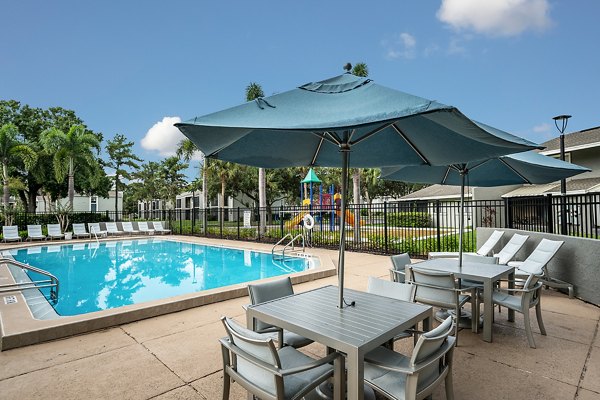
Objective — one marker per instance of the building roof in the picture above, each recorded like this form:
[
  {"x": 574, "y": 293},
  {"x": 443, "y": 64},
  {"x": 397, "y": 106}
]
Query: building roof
[
  {"x": 574, "y": 141},
  {"x": 438, "y": 192},
  {"x": 574, "y": 186}
]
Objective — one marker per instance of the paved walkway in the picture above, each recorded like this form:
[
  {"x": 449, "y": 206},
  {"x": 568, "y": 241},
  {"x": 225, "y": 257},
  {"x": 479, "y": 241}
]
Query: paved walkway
[{"x": 177, "y": 356}]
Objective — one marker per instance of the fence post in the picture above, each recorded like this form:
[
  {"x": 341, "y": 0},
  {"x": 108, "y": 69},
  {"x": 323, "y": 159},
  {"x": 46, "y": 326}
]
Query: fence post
[
  {"x": 193, "y": 216},
  {"x": 205, "y": 225},
  {"x": 437, "y": 225},
  {"x": 385, "y": 228},
  {"x": 508, "y": 214},
  {"x": 222, "y": 219},
  {"x": 238, "y": 223},
  {"x": 549, "y": 213},
  {"x": 281, "y": 221}
]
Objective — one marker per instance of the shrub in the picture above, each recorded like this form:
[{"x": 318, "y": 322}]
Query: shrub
[{"x": 409, "y": 219}]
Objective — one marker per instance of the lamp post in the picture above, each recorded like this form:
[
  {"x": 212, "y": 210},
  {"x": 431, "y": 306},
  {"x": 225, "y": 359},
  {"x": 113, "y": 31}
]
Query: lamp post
[{"x": 564, "y": 120}]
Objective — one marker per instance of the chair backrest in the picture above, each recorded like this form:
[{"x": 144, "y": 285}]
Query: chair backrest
[
  {"x": 541, "y": 256},
  {"x": 54, "y": 229},
  {"x": 489, "y": 244},
  {"x": 79, "y": 229},
  {"x": 10, "y": 232},
  {"x": 431, "y": 347},
  {"x": 262, "y": 292},
  {"x": 254, "y": 347},
  {"x": 111, "y": 227},
  {"x": 434, "y": 287},
  {"x": 143, "y": 226},
  {"x": 34, "y": 230},
  {"x": 94, "y": 227},
  {"x": 400, "y": 261},
  {"x": 158, "y": 225},
  {"x": 511, "y": 248},
  {"x": 394, "y": 290},
  {"x": 480, "y": 259},
  {"x": 127, "y": 226}
]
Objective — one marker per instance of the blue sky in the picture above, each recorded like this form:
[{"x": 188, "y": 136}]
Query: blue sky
[{"x": 134, "y": 67}]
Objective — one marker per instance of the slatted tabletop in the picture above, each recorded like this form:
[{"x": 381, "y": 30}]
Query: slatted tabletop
[{"x": 353, "y": 330}]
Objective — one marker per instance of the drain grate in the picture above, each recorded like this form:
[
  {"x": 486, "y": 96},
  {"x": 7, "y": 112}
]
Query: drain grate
[{"x": 10, "y": 299}]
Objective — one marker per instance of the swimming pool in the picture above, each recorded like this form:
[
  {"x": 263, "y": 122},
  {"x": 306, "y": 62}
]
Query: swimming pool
[{"x": 99, "y": 276}]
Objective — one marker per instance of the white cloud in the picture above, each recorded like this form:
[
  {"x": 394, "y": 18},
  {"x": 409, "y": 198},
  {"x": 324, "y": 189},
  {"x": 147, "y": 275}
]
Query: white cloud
[
  {"x": 496, "y": 17},
  {"x": 402, "y": 45},
  {"x": 542, "y": 128},
  {"x": 164, "y": 138}
]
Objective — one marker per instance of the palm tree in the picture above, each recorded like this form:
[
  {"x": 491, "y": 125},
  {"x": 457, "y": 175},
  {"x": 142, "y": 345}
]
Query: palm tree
[
  {"x": 71, "y": 150},
  {"x": 360, "y": 69},
  {"x": 11, "y": 150},
  {"x": 254, "y": 91},
  {"x": 186, "y": 150}
]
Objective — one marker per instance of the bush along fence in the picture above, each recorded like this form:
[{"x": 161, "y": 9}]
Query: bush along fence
[{"x": 384, "y": 228}]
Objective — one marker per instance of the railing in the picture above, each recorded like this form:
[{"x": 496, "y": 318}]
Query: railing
[
  {"x": 416, "y": 227},
  {"x": 52, "y": 281},
  {"x": 288, "y": 245}
]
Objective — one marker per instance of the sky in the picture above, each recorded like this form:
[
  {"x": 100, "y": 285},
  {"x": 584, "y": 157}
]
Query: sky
[{"x": 137, "y": 67}]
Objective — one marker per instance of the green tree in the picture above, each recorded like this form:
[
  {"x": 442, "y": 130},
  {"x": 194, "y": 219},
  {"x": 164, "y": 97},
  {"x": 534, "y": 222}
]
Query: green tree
[
  {"x": 253, "y": 92},
  {"x": 120, "y": 156},
  {"x": 173, "y": 179},
  {"x": 360, "y": 69},
  {"x": 11, "y": 149},
  {"x": 186, "y": 150},
  {"x": 72, "y": 150}
]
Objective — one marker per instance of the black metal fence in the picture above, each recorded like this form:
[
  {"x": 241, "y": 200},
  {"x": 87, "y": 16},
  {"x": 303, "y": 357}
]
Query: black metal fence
[{"x": 386, "y": 228}]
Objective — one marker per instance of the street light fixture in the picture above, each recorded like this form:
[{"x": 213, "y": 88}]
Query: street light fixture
[{"x": 564, "y": 120}]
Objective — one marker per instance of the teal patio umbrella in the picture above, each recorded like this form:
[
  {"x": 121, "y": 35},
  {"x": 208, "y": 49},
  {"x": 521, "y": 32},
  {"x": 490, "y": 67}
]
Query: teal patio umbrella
[
  {"x": 523, "y": 168},
  {"x": 346, "y": 121}
]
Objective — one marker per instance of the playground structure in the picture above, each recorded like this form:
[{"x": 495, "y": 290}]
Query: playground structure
[{"x": 328, "y": 203}]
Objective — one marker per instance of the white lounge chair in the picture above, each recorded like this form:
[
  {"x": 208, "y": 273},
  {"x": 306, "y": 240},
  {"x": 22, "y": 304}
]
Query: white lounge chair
[
  {"x": 158, "y": 227},
  {"x": 95, "y": 230},
  {"x": 34, "y": 232},
  {"x": 79, "y": 231},
  {"x": 11, "y": 234},
  {"x": 111, "y": 228},
  {"x": 143, "y": 227},
  {"x": 128, "y": 228},
  {"x": 510, "y": 250},
  {"x": 54, "y": 232},
  {"x": 485, "y": 249}
]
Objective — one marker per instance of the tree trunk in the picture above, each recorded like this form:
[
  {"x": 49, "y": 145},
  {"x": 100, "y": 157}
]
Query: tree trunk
[
  {"x": 356, "y": 200},
  {"x": 262, "y": 200},
  {"x": 222, "y": 201},
  {"x": 116, "y": 193},
  {"x": 71, "y": 183},
  {"x": 6, "y": 197}
]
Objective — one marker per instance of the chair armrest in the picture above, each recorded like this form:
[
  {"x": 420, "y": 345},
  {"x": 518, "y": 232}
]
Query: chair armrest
[
  {"x": 531, "y": 289},
  {"x": 313, "y": 364}
]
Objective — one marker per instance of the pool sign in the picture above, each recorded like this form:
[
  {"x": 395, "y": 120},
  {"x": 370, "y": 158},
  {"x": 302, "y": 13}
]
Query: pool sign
[{"x": 247, "y": 215}]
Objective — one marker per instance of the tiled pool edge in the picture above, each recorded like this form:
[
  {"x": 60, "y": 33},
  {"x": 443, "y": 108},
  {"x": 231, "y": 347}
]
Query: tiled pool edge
[{"x": 17, "y": 331}]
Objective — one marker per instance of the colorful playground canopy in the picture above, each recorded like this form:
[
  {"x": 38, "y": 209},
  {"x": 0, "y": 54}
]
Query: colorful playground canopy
[{"x": 311, "y": 177}]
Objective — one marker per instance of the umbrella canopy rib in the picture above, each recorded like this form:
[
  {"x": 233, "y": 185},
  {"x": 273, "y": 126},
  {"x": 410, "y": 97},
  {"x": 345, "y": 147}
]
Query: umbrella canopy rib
[
  {"x": 410, "y": 143},
  {"x": 520, "y": 175}
]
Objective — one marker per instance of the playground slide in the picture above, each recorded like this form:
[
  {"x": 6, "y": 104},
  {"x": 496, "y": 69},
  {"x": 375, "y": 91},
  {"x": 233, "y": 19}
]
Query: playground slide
[
  {"x": 294, "y": 221},
  {"x": 349, "y": 216}
]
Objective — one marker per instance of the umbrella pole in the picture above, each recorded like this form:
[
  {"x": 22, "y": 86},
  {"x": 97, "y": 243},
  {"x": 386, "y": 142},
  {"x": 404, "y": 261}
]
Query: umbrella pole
[
  {"x": 462, "y": 218},
  {"x": 345, "y": 162}
]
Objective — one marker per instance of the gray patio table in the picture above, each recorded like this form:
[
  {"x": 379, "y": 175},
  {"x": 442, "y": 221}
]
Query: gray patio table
[
  {"x": 481, "y": 272},
  {"x": 353, "y": 330}
]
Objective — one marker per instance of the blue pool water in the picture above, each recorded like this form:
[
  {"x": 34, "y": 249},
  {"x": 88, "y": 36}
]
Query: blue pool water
[{"x": 96, "y": 276}]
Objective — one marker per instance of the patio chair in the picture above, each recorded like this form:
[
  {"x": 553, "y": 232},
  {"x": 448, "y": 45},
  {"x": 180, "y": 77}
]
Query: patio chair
[
  {"x": 158, "y": 227},
  {"x": 128, "y": 228},
  {"x": 143, "y": 227},
  {"x": 54, "y": 232},
  {"x": 440, "y": 289},
  {"x": 395, "y": 290},
  {"x": 252, "y": 360},
  {"x": 510, "y": 250},
  {"x": 398, "y": 272},
  {"x": 521, "y": 300},
  {"x": 396, "y": 376},
  {"x": 79, "y": 231},
  {"x": 34, "y": 232},
  {"x": 262, "y": 292},
  {"x": 11, "y": 234},
  {"x": 536, "y": 263},
  {"x": 94, "y": 228},
  {"x": 485, "y": 249},
  {"x": 111, "y": 229}
]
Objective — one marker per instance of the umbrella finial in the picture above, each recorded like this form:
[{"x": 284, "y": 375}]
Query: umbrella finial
[{"x": 348, "y": 67}]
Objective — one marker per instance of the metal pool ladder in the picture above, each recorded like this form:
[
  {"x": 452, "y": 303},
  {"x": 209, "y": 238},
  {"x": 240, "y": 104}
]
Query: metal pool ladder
[
  {"x": 279, "y": 254},
  {"x": 52, "y": 281}
]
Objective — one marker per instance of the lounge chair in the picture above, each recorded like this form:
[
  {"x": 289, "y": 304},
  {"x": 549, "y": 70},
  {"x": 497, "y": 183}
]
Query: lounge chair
[
  {"x": 251, "y": 360},
  {"x": 485, "y": 249},
  {"x": 95, "y": 230},
  {"x": 34, "y": 232},
  {"x": 128, "y": 228},
  {"x": 510, "y": 250},
  {"x": 143, "y": 227},
  {"x": 11, "y": 234},
  {"x": 54, "y": 232},
  {"x": 79, "y": 231},
  {"x": 397, "y": 376},
  {"x": 158, "y": 227},
  {"x": 111, "y": 229}
]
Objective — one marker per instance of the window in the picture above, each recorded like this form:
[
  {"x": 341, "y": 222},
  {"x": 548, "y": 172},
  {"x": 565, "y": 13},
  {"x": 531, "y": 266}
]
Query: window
[
  {"x": 178, "y": 204},
  {"x": 94, "y": 203}
]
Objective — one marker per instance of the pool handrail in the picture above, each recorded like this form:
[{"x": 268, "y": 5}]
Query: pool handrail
[{"x": 52, "y": 282}]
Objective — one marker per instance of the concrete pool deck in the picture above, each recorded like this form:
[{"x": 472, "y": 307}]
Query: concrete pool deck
[{"x": 177, "y": 356}]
